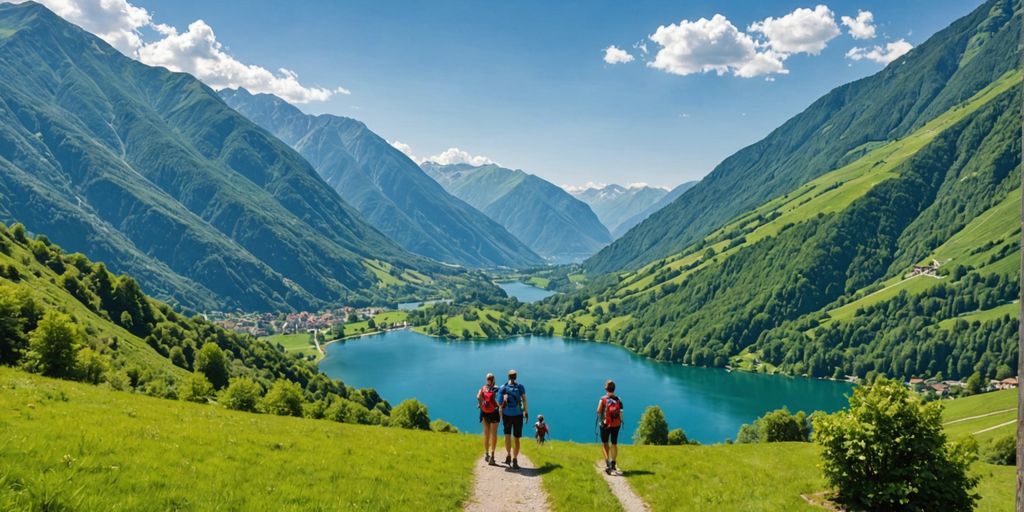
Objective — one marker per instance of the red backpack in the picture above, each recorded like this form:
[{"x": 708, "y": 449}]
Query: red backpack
[
  {"x": 612, "y": 411},
  {"x": 489, "y": 404}
]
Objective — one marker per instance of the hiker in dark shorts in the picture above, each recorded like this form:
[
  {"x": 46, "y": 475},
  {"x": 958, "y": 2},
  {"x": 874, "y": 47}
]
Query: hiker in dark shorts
[
  {"x": 609, "y": 413},
  {"x": 512, "y": 400},
  {"x": 486, "y": 400}
]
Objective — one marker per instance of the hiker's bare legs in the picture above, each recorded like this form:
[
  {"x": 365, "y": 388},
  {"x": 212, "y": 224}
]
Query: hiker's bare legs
[
  {"x": 604, "y": 449},
  {"x": 493, "y": 428},
  {"x": 508, "y": 445},
  {"x": 614, "y": 452},
  {"x": 487, "y": 435},
  {"x": 515, "y": 454}
]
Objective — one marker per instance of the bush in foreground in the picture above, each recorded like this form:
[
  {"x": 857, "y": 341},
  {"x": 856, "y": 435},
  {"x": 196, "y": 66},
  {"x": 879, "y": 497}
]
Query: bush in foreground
[
  {"x": 440, "y": 425},
  {"x": 888, "y": 452},
  {"x": 284, "y": 399},
  {"x": 242, "y": 394}
]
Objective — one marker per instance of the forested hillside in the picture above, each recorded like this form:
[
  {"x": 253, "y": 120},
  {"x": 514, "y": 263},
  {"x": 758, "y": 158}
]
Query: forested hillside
[
  {"x": 64, "y": 316},
  {"x": 152, "y": 173},
  {"x": 548, "y": 219},
  {"x": 835, "y": 130},
  {"x": 390, "y": 190},
  {"x": 903, "y": 261}
]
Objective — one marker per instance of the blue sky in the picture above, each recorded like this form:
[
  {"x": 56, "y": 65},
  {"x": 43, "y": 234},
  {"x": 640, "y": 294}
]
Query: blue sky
[{"x": 526, "y": 84}]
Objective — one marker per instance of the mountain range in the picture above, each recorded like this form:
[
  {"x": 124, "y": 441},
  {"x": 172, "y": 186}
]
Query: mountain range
[
  {"x": 388, "y": 188},
  {"x": 151, "y": 172},
  {"x": 885, "y": 238},
  {"x": 620, "y": 208},
  {"x": 548, "y": 219}
]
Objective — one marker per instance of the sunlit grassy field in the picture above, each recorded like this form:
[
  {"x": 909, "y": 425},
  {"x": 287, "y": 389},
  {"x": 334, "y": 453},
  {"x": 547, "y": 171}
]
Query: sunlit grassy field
[{"x": 68, "y": 446}]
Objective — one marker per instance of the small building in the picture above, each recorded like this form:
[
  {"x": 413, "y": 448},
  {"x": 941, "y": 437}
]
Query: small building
[
  {"x": 1007, "y": 383},
  {"x": 939, "y": 388}
]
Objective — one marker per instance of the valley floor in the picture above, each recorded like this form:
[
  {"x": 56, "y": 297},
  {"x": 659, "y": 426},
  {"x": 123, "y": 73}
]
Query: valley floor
[{"x": 70, "y": 446}]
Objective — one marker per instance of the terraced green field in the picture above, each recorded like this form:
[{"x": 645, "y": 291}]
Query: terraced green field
[{"x": 298, "y": 343}]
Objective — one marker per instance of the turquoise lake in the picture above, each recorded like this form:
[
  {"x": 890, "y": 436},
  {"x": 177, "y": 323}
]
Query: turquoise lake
[
  {"x": 524, "y": 292},
  {"x": 564, "y": 379}
]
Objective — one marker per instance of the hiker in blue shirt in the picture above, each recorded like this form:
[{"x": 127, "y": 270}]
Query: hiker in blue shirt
[{"x": 512, "y": 400}]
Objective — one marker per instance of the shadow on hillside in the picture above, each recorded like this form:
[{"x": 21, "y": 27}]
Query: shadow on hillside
[
  {"x": 543, "y": 470},
  {"x": 637, "y": 472}
]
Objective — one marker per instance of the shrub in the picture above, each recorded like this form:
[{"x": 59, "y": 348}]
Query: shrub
[
  {"x": 242, "y": 394},
  {"x": 653, "y": 429},
  {"x": 347, "y": 411},
  {"x": 196, "y": 388},
  {"x": 775, "y": 427},
  {"x": 677, "y": 437},
  {"x": 888, "y": 452},
  {"x": 1002, "y": 451},
  {"x": 410, "y": 414},
  {"x": 283, "y": 399},
  {"x": 211, "y": 361},
  {"x": 91, "y": 366},
  {"x": 440, "y": 425},
  {"x": 53, "y": 345}
]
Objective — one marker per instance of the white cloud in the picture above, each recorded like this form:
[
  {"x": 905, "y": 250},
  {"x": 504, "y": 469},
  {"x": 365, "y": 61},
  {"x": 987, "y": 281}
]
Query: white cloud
[
  {"x": 616, "y": 55},
  {"x": 407, "y": 149},
  {"x": 712, "y": 45},
  {"x": 861, "y": 27},
  {"x": 879, "y": 54},
  {"x": 458, "y": 156},
  {"x": 801, "y": 31},
  {"x": 196, "y": 51}
]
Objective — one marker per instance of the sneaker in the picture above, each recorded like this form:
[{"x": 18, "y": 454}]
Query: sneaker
[
  {"x": 487, "y": 457},
  {"x": 515, "y": 464},
  {"x": 613, "y": 465},
  {"x": 492, "y": 462},
  {"x": 508, "y": 460}
]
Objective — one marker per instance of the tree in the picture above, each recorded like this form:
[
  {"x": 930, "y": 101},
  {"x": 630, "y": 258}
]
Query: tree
[
  {"x": 973, "y": 384},
  {"x": 196, "y": 388},
  {"x": 888, "y": 452},
  {"x": 242, "y": 394},
  {"x": 283, "y": 399},
  {"x": 177, "y": 357},
  {"x": 748, "y": 433},
  {"x": 91, "y": 366},
  {"x": 781, "y": 426},
  {"x": 348, "y": 411},
  {"x": 12, "y": 335},
  {"x": 211, "y": 362},
  {"x": 53, "y": 345},
  {"x": 653, "y": 428},
  {"x": 677, "y": 437},
  {"x": 410, "y": 414}
]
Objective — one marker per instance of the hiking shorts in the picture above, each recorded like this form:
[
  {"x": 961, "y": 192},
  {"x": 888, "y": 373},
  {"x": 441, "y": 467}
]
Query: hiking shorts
[
  {"x": 490, "y": 417},
  {"x": 610, "y": 434},
  {"x": 513, "y": 425}
]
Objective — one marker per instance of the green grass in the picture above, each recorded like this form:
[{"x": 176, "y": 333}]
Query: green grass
[
  {"x": 391, "y": 317},
  {"x": 724, "y": 477},
  {"x": 569, "y": 476},
  {"x": 82, "y": 447},
  {"x": 539, "y": 282},
  {"x": 298, "y": 343},
  {"x": 381, "y": 270},
  {"x": 1010, "y": 309},
  {"x": 912, "y": 285},
  {"x": 994, "y": 408}
]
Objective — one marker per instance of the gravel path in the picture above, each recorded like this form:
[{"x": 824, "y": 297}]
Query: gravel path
[
  {"x": 628, "y": 498},
  {"x": 500, "y": 489}
]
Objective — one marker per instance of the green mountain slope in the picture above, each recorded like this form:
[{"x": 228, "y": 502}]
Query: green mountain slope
[
  {"x": 836, "y": 129},
  {"x": 390, "y": 190},
  {"x": 151, "y": 172},
  {"x": 614, "y": 204},
  {"x": 820, "y": 280},
  {"x": 548, "y": 219}
]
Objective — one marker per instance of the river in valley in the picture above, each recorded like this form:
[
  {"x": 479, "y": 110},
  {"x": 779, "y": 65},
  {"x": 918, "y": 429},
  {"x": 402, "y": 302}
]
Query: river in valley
[{"x": 564, "y": 379}]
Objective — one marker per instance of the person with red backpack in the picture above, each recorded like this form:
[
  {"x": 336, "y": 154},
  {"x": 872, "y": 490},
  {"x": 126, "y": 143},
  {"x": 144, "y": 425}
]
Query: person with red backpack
[
  {"x": 609, "y": 413},
  {"x": 486, "y": 401}
]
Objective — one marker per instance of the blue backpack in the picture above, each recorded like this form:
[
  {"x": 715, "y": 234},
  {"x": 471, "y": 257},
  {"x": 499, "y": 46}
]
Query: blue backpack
[{"x": 512, "y": 395}]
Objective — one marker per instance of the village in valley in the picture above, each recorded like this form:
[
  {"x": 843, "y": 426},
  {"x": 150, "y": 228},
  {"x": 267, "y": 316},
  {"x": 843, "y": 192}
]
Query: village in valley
[{"x": 267, "y": 324}]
